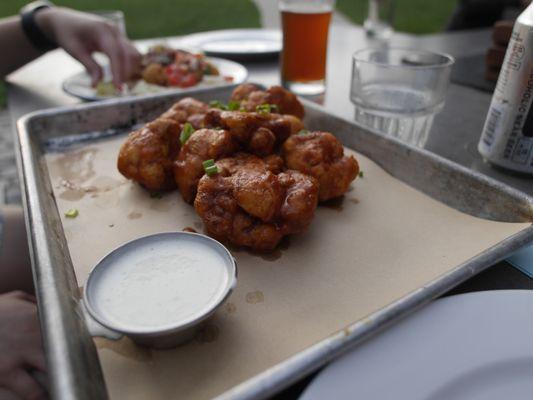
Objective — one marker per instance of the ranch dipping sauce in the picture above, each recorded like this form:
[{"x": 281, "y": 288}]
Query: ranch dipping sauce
[{"x": 160, "y": 282}]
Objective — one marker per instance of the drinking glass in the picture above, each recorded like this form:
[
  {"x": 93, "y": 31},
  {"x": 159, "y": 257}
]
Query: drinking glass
[
  {"x": 398, "y": 92},
  {"x": 305, "y": 41},
  {"x": 114, "y": 17},
  {"x": 378, "y": 23}
]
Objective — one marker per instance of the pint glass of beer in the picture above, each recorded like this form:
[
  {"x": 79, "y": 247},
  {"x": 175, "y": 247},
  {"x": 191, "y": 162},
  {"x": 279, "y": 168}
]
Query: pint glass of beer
[{"x": 305, "y": 41}]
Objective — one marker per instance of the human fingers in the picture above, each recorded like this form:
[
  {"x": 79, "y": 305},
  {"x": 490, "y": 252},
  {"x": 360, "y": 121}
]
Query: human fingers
[
  {"x": 87, "y": 60},
  {"x": 109, "y": 44},
  {"x": 131, "y": 60},
  {"x": 501, "y": 34},
  {"x": 8, "y": 394},
  {"x": 21, "y": 383},
  {"x": 34, "y": 357},
  {"x": 41, "y": 378},
  {"x": 21, "y": 295}
]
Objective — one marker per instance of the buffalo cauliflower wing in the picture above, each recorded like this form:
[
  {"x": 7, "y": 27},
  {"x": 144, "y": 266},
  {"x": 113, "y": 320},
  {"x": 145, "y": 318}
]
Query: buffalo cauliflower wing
[
  {"x": 147, "y": 155},
  {"x": 320, "y": 154},
  {"x": 250, "y": 97},
  {"x": 246, "y": 204}
]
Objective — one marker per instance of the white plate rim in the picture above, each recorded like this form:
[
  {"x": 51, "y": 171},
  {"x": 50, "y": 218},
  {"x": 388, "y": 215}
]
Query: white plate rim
[
  {"x": 239, "y": 73},
  {"x": 195, "y": 40},
  {"x": 371, "y": 375}
]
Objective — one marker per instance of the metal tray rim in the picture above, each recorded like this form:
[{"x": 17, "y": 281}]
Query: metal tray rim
[{"x": 276, "y": 378}]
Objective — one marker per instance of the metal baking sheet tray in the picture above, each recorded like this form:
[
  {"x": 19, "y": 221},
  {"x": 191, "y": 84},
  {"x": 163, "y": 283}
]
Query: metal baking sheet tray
[{"x": 60, "y": 249}]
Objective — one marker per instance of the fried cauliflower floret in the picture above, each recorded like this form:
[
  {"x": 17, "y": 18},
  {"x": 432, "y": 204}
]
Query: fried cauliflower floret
[
  {"x": 256, "y": 189},
  {"x": 244, "y": 161},
  {"x": 243, "y": 91},
  {"x": 155, "y": 74},
  {"x": 274, "y": 163},
  {"x": 147, "y": 155},
  {"x": 204, "y": 144},
  {"x": 250, "y": 96},
  {"x": 247, "y": 205},
  {"x": 230, "y": 165},
  {"x": 320, "y": 154},
  {"x": 244, "y": 125},
  {"x": 295, "y": 123},
  {"x": 261, "y": 142},
  {"x": 301, "y": 198},
  {"x": 187, "y": 110},
  {"x": 191, "y": 106}
]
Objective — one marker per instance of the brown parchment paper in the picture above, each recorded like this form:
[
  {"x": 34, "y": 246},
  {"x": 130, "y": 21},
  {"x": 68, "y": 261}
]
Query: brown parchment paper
[{"x": 381, "y": 242}]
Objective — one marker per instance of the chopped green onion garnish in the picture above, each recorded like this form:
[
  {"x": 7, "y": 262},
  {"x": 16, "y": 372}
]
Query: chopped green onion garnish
[
  {"x": 156, "y": 195},
  {"x": 303, "y": 132},
  {"x": 186, "y": 132},
  {"x": 265, "y": 108},
  {"x": 361, "y": 174},
  {"x": 211, "y": 170},
  {"x": 234, "y": 105},
  {"x": 218, "y": 104},
  {"x": 72, "y": 213},
  {"x": 208, "y": 163}
]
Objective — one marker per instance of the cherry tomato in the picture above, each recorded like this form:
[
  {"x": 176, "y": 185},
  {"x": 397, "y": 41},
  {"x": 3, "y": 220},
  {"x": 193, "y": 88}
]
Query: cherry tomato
[{"x": 177, "y": 76}]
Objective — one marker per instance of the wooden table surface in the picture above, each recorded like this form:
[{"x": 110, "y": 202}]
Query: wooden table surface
[{"x": 454, "y": 135}]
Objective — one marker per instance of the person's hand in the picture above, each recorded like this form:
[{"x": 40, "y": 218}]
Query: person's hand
[
  {"x": 81, "y": 34},
  {"x": 20, "y": 346}
]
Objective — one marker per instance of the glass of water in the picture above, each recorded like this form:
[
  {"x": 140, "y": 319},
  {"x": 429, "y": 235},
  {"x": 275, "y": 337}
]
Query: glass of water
[
  {"x": 398, "y": 91},
  {"x": 378, "y": 23},
  {"x": 114, "y": 17}
]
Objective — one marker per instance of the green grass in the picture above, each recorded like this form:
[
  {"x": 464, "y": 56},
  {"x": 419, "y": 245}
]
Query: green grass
[
  {"x": 154, "y": 18},
  {"x": 413, "y": 16}
]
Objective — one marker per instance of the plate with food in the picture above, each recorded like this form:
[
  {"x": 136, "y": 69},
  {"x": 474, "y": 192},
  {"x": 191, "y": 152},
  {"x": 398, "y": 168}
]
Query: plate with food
[{"x": 164, "y": 69}]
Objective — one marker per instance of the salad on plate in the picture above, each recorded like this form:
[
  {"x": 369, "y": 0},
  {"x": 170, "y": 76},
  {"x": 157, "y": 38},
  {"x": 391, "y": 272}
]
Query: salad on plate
[{"x": 166, "y": 68}]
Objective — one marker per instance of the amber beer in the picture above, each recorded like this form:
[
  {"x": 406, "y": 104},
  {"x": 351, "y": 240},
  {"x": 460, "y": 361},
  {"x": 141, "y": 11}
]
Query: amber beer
[{"x": 305, "y": 40}]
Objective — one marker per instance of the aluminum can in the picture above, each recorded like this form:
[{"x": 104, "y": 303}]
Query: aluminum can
[{"x": 507, "y": 137}]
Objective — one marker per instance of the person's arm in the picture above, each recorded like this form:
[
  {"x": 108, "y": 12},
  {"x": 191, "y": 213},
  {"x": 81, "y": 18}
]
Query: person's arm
[
  {"x": 79, "y": 34},
  {"x": 20, "y": 346},
  {"x": 15, "y": 47}
]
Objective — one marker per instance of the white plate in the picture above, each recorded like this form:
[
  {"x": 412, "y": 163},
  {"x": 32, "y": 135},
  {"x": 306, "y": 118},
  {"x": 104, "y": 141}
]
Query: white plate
[
  {"x": 523, "y": 260},
  {"x": 79, "y": 85},
  {"x": 476, "y": 346},
  {"x": 236, "y": 43}
]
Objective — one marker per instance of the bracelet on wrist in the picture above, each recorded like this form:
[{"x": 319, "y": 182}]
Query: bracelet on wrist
[{"x": 32, "y": 31}]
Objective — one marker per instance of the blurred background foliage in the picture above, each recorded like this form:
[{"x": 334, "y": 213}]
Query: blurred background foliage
[
  {"x": 412, "y": 16},
  {"x": 149, "y": 18},
  {"x": 153, "y": 18}
]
